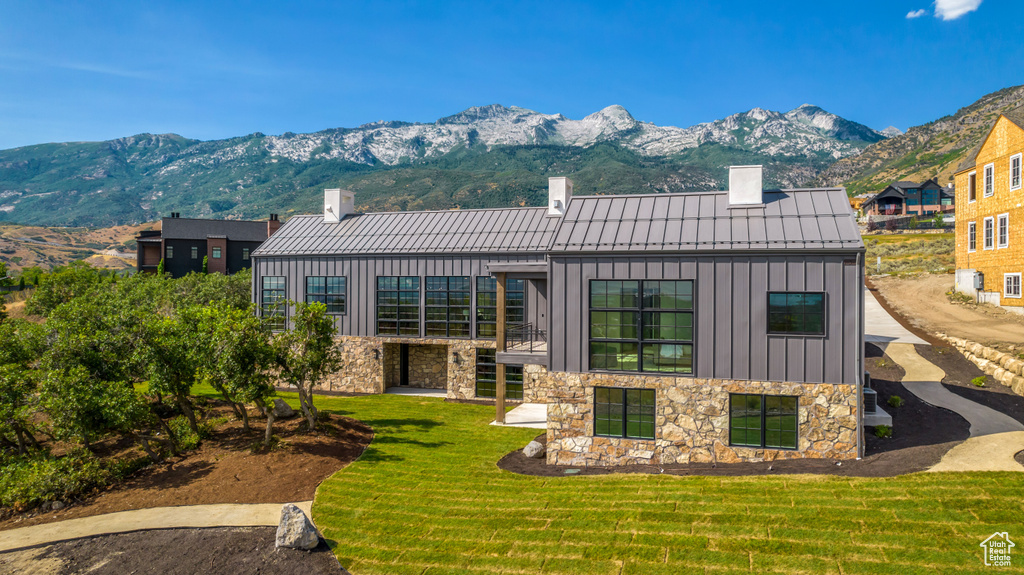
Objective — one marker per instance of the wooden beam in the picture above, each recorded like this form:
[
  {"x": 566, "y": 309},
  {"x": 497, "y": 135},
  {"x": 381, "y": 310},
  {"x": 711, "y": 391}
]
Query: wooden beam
[{"x": 499, "y": 399}]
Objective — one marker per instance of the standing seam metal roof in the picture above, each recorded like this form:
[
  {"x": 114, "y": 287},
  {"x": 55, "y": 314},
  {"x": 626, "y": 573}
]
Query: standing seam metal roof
[
  {"x": 789, "y": 219},
  {"x": 513, "y": 230}
]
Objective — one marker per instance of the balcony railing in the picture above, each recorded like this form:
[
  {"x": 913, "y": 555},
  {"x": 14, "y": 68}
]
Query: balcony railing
[{"x": 525, "y": 337}]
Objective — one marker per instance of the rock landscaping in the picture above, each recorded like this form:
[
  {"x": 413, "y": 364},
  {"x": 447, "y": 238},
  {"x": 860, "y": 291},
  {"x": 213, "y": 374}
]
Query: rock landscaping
[
  {"x": 1006, "y": 368},
  {"x": 296, "y": 531}
]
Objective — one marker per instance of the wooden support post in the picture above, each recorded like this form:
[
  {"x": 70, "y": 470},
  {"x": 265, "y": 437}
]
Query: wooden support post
[{"x": 499, "y": 399}]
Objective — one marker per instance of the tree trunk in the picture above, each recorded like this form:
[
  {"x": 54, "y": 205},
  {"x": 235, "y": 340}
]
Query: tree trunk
[
  {"x": 22, "y": 449},
  {"x": 170, "y": 436},
  {"x": 240, "y": 407},
  {"x": 307, "y": 409},
  {"x": 186, "y": 408},
  {"x": 261, "y": 409},
  {"x": 149, "y": 450},
  {"x": 270, "y": 428}
]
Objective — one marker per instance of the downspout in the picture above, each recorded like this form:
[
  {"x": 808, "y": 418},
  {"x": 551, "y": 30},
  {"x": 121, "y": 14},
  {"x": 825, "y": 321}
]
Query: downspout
[{"x": 860, "y": 356}]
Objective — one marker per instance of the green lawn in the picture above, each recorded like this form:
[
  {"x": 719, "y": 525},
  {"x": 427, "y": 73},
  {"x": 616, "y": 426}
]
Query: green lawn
[{"x": 426, "y": 497}]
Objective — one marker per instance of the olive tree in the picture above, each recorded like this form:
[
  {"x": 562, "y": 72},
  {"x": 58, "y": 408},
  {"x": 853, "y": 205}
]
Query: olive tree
[
  {"x": 20, "y": 342},
  {"x": 307, "y": 353}
]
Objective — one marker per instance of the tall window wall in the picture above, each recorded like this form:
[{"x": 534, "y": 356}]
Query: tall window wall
[
  {"x": 273, "y": 303},
  {"x": 448, "y": 303},
  {"x": 487, "y": 302},
  {"x": 641, "y": 326},
  {"x": 398, "y": 305}
]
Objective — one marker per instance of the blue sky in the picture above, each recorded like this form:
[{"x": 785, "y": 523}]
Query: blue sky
[{"x": 100, "y": 70}]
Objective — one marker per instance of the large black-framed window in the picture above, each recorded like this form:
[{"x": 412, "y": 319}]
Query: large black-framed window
[
  {"x": 796, "y": 313},
  {"x": 273, "y": 302},
  {"x": 487, "y": 304},
  {"x": 487, "y": 376},
  {"x": 641, "y": 325},
  {"x": 624, "y": 412},
  {"x": 328, "y": 290},
  {"x": 448, "y": 302},
  {"x": 398, "y": 305},
  {"x": 763, "y": 420}
]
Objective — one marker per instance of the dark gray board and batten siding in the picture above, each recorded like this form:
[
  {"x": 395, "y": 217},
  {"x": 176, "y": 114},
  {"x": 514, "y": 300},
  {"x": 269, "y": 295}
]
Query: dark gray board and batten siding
[
  {"x": 731, "y": 339},
  {"x": 361, "y": 283}
]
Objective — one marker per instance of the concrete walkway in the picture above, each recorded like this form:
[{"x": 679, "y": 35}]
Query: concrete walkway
[
  {"x": 533, "y": 415},
  {"x": 218, "y": 515},
  {"x": 418, "y": 392},
  {"x": 880, "y": 327},
  {"x": 923, "y": 380},
  {"x": 995, "y": 437}
]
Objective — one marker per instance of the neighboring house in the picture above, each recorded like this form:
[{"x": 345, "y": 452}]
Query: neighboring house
[
  {"x": 856, "y": 202},
  {"x": 183, "y": 242},
  {"x": 663, "y": 328},
  {"x": 910, "y": 198},
  {"x": 990, "y": 216}
]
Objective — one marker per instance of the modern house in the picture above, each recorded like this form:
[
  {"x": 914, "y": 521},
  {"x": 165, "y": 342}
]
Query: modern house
[
  {"x": 909, "y": 199},
  {"x": 182, "y": 243},
  {"x": 990, "y": 216},
  {"x": 662, "y": 328}
]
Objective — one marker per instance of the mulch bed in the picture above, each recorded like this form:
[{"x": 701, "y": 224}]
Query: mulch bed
[
  {"x": 922, "y": 434},
  {"x": 959, "y": 373},
  {"x": 225, "y": 469},
  {"x": 171, "y": 552}
]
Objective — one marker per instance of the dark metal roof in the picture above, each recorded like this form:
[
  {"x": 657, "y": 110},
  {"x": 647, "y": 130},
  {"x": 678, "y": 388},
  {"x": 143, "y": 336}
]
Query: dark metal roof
[
  {"x": 1015, "y": 115},
  {"x": 196, "y": 229},
  {"x": 511, "y": 230},
  {"x": 789, "y": 219}
]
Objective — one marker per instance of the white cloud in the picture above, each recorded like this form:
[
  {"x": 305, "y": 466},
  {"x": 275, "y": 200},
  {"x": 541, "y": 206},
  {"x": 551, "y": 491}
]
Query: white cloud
[
  {"x": 916, "y": 13},
  {"x": 953, "y": 9}
]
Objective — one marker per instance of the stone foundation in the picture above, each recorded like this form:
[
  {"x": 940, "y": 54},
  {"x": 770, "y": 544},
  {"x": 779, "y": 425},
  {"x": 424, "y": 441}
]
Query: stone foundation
[{"x": 692, "y": 421}]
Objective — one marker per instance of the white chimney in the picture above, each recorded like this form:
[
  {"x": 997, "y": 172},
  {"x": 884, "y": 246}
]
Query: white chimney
[
  {"x": 559, "y": 195},
  {"x": 745, "y": 186},
  {"x": 338, "y": 204}
]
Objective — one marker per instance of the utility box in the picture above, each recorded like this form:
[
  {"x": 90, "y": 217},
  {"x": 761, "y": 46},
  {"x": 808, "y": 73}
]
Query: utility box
[{"x": 979, "y": 281}]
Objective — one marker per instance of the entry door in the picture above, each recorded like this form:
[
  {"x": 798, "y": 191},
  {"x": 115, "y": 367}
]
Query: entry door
[{"x": 403, "y": 364}]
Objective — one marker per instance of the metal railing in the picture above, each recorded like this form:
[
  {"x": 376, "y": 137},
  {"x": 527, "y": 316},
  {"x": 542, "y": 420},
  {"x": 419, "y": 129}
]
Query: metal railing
[{"x": 525, "y": 337}]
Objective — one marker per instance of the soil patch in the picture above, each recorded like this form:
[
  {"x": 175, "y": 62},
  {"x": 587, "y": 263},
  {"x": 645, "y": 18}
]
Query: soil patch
[
  {"x": 173, "y": 551},
  {"x": 224, "y": 469},
  {"x": 921, "y": 435},
  {"x": 922, "y": 300},
  {"x": 960, "y": 372}
]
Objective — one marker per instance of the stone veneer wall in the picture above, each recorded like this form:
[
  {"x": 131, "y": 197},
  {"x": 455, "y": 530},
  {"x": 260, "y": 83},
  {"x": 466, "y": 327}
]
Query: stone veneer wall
[
  {"x": 363, "y": 371},
  {"x": 692, "y": 421}
]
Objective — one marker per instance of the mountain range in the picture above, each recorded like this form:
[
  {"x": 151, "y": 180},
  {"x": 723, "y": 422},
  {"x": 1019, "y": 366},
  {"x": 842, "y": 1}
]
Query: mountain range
[{"x": 481, "y": 157}]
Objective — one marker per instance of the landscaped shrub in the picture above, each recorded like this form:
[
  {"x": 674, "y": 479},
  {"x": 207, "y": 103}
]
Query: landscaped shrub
[
  {"x": 29, "y": 481},
  {"x": 979, "y": 381},
  {"x": 891, "y": 225},
  {"x": 187, "y": 439},
  {"x": 872, "y": 225},
  {"x": 883, "y": 431},
  {"x": 896, "y": 401}
]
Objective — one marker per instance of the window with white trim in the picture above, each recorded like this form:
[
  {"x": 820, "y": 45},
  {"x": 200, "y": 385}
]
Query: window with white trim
[
  {"x": 1003, "y": 230},
  {"x": 972, "y": 186},
  {"x": 1011, "y": 285},
  {"x": 990, "y": 180},
  {"x": 1015, "y": 161},
  {"x": 989, "y": 233},
  {"x": 972, "y": 236}
]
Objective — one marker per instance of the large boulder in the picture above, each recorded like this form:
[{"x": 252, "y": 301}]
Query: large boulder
[
  {"x": 534, "y": 450},
  {"x": 296, "y": 531},
  {"x": 282, "y": 410}
]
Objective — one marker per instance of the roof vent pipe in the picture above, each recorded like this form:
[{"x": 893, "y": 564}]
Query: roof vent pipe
[
  {"x": 338, "y": 204},
  {"x": 559, "y": 195},
  {"x": 745, "y": 186}
]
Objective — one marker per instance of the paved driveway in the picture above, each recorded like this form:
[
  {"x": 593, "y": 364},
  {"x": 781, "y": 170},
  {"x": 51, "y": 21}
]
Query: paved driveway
[{"x": 880, "y": 327}]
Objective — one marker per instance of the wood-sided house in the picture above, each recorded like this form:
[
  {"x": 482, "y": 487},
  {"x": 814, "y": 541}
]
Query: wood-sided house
[{"x": 662, "y": 328}]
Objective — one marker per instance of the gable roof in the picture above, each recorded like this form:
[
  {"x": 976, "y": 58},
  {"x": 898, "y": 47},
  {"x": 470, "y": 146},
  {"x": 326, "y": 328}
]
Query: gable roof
[
  {"x": 509, "y": 230},
  {"x": 1015, "y": 115},
  {"x": 801, "y": 219},
  {"x": 197, "y": 229}
]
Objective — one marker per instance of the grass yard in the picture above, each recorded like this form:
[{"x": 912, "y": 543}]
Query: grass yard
[
  {"x": 427, "y": 498},
  {"x": 909, "y": 253}
]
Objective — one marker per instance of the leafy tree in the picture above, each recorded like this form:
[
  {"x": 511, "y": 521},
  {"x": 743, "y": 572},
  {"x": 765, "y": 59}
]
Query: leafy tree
[
  {"x": 21, "y": 283},
  {"x": 160, "y": 268},
  {"x": 62, "y": 286},
  {"x": 170, "y": 353},
  {"x": 938, "y": 221},
  {"x": 206, "y": 265},
  {"x": 913, "y": 223},
  {"x": 20, "y": 343},
  {"x": 306, "y": 354},
  {"x": 238, "y": 359},
  {"x": 4, "y": 280}
]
